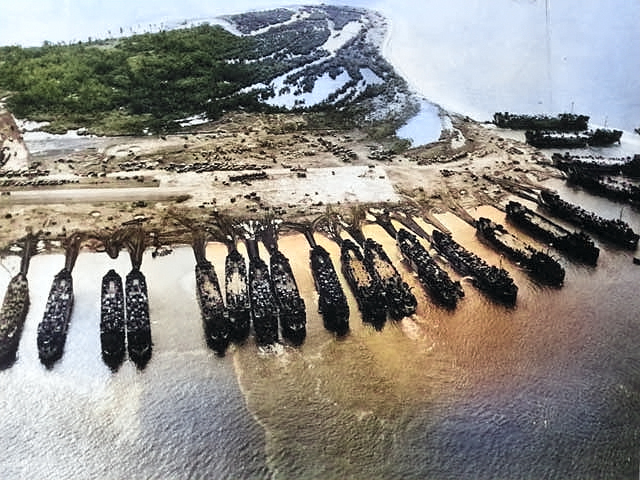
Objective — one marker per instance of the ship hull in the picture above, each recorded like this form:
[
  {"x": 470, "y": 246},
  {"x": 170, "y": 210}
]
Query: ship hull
[
  {"x": 292, "y": 310},
  {"x": 367, "y": 290},
  {"x": 332, "y": 303},
  {"x": 576, "y": 245},
  {"x": 565, "y": 122},
  {"x": 539, "y": 265},
  {"x": 436, "y": 281},
  {"x": 52, "y": 330},
  {"x": 597, "y": 138},
  {"x": 12, "y": 317},
  {"x": 615, "y": 230},
  {"x": 215, "y": 320},
  {"x": 494, "y": 281},
  {"x": 263, "y": 304},
  {"x": 605, "y": 187},
  {"x": 401, "y": 302},
  {"x": 138, "y": 325},
  {"x": 112, "y": 320},
  {"x": 629, "y": 167},
  {"x": 237, "y": 295}
]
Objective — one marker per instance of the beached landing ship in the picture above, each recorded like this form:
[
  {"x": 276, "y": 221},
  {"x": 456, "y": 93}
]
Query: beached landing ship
[
  {"x": 616, "y": 231},
  {"x": 442, "y": 289},
  {"x": 600, "y": 137},
  {"x": 237, "y": 293},
  {"x": 263, "y": 303},
  {"x": 14, "y": 309},
  {"x": 52, "y": 330},
  {"x": 577, "y": 245},
  {"x": 138, "y": 323},
  {"x": 366, "y": 287},
  {"x": 546, "y": 139},
  {"x": 12, "y": 316},
  {"x": 217, "y": 328},
  {"x": 564, "y": 122},
  {"x": 629, "y": 167},
  {"x": 494, "y": 281},
  {"x": 605, "y": 186},
  {"x": 332, "y": 302},
  {"x": 112, "y": 320},
  {"x": 538, "y": 264},
  {"x": 401, "y": 302},
  {"x": 291, "y": 307},
  {"x": 215, "y": 320}
]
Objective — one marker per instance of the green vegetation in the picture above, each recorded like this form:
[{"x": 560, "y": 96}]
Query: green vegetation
[
  {"x": 150, "y": 82},
  {"x": 142, "y": 82}
]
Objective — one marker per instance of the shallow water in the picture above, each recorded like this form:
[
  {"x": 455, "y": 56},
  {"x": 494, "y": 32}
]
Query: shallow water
[{"x": 549, "y": 389}]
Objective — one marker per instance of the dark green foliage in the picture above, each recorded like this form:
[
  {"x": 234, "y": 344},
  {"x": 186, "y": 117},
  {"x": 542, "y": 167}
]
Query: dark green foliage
[
  {"x": 149, "y": 82},
  {"x": 154, "y": 78}
]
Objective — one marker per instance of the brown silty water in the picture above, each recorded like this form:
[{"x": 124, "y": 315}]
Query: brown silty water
[
  {"x": 548, "y": 389},
  {"x": 336, "y": 406}
]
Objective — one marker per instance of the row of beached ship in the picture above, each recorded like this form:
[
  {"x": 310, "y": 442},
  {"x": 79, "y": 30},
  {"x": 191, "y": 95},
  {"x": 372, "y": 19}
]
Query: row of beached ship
[
  {"x": 566, "y": 130},
  {"x": 603, "y": 176},
  {"x": 267, "y": 297}
]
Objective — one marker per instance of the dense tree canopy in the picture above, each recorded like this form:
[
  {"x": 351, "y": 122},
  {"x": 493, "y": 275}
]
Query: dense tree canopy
[{"x": 143, "y": 81}]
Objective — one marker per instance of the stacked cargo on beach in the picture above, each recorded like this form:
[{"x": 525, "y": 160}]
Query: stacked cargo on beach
[
  {"x": 442, "y": 289},
  {"x": 366, "y": 288},
  {"x": 494, "y": 281},
  {"x": 112, "y": 320},
  {"x": 577, "y": 245},
  {"x": 538, "y": 264},
  {"x": 401, "y": 302}
]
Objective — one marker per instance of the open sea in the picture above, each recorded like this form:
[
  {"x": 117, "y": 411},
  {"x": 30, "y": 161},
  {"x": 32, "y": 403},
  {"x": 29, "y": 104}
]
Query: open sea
[{"x": 548, "y": 389}]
